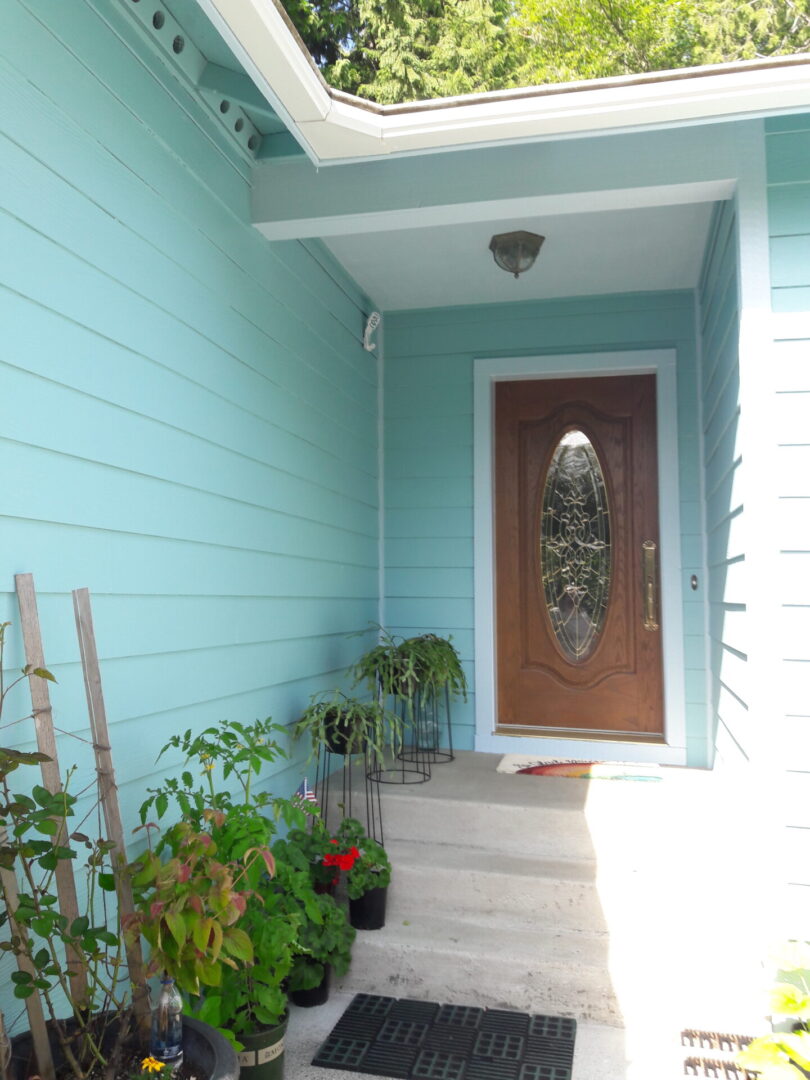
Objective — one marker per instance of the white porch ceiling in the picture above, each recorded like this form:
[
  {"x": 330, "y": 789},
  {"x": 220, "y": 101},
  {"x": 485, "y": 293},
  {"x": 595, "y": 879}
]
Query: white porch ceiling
[{"x": 585, "y": 254}]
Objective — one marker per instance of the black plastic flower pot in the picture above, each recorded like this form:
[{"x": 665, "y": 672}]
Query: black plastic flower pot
[
  {"x": 337, "y": 731},
  {"x": 263, "y": 1055},
  {"x": 367, "y": 912},
  {"x": 318, "y": 995},
  {"x": 206, "y": 1052}
]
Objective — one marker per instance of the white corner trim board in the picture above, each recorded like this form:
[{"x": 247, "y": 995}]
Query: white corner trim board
[
  {"x": 335, "y": 127},
  {"x": 662, "y": 363}
]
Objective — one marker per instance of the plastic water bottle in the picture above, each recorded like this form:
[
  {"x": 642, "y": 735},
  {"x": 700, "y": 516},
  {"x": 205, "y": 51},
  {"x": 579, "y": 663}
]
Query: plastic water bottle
[{"x": 167, "y": 1024}]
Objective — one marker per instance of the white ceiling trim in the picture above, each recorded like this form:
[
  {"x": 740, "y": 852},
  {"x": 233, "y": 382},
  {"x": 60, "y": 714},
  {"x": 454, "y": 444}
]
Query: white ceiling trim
[{"x": 335, "y": 127}]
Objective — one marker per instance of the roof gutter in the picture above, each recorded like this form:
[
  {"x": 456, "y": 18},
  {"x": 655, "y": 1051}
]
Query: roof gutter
[{"x": 333, "y": 126}]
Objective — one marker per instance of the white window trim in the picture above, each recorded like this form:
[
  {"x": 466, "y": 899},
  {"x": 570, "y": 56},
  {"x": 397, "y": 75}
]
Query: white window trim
[{"x": 487, "y": 371}]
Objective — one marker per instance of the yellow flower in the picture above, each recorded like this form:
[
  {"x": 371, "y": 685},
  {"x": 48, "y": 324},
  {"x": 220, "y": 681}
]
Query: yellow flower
[
  {"x": 150, "y": 1064},
  {"x": 208, "y": 768}
]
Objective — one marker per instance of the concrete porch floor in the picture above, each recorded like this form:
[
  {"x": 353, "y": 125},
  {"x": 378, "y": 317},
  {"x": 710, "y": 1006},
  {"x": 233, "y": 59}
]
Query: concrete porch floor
[{"x": 624, "y": 904}]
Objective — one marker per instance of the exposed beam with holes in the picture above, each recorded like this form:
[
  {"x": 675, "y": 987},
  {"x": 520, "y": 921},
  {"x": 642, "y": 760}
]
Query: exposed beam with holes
[
  {"x": 279, "y": 147},
  {"x": 172, "y": 43},
  {"x": 237, "y": 88}
]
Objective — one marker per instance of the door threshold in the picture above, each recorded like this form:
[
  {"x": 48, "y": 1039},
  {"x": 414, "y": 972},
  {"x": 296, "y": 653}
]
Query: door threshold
[
  {"x": 517, "y": 740},
  {"x": 625, "y": 737}
]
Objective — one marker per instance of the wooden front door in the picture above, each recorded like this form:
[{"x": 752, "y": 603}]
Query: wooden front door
[{"x": 576, "y": 531}]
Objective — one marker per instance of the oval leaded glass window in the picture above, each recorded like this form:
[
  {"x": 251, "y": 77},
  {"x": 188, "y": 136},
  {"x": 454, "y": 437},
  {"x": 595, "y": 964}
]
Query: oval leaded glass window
[{"x": 575, "y": 545}]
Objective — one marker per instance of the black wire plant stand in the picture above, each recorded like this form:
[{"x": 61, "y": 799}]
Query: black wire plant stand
[
  {"x": 334, "y": 789},
  {"x": 412, "y": 764},
  {"x": 426, "y": 746}
]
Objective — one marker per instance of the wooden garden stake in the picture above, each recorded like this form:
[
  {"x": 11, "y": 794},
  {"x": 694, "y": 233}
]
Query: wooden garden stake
[
  {"x": 108, "y": 793},
  {"x": 51, "y": 779},
  {"x": 33, "y": 1005},
  {"x": 5, "y": 1051}
]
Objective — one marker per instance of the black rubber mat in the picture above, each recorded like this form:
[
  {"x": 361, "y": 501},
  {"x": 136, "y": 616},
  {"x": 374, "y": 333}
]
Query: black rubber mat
[{"x": 422, "y": 1040}]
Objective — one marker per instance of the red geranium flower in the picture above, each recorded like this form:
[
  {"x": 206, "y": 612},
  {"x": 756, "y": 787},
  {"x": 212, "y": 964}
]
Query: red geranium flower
[{"x": 343, "y": 861}]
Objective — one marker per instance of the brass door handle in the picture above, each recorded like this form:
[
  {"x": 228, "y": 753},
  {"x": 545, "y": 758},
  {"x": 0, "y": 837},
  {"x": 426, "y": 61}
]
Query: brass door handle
[{"x": 649, "y": 577}]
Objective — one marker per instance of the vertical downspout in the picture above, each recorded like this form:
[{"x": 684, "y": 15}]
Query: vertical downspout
[{"x": 381, "y": 474}]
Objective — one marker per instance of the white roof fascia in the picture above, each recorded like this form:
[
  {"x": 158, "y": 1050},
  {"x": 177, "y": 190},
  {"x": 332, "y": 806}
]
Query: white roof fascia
[
  {"x": 589, "y": 111},
  {"x": 257, "y": 33},
  {"x": 336, "y": 127}
]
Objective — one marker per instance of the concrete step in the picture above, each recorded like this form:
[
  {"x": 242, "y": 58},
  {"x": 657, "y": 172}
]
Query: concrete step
[
  {"x": 517, "y": 890},
  {"x": 551, "y": 832},
  {"x": 465, "y": 961},
  {"x": 605, "y": 901}
]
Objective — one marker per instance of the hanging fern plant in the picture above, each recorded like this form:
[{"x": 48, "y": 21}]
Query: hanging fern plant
[
  {"x": 344, "y": 725},
  {"x": 401, "y": 668}
]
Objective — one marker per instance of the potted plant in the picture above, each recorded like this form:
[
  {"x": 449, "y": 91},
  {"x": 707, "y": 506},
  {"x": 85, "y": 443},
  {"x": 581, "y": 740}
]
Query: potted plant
[
  {"x": 92, "y": 1025},
  {"x": 368, "y": 875},
  {"x": 785, "y": 1054},
  {"x": 309, "y": 850},
  {"x": 344, "y": 725},
  {"x": 386, "y": 671},
  {"x": 401, "y": 668},
  {"x": 417, "y": 673},
  {"x": 437, "y": 666},
  {"x": 305, "y": 862},
  {"x": 248, "y": 999},
  {"x": 325, "y": 948}
]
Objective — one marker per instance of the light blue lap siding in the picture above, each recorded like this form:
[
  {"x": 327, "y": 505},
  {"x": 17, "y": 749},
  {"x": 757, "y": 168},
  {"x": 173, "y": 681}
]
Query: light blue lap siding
[
  {"x": 788, "y": 159},
  {"x": 429, "y": 455},
  {"x": 187, "y": 417}
]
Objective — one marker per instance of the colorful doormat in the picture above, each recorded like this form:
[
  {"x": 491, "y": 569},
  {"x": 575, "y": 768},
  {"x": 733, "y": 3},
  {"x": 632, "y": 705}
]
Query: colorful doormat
[
  {"x": 421, "y": 1040},
  {"x": 524, "y": 765}
]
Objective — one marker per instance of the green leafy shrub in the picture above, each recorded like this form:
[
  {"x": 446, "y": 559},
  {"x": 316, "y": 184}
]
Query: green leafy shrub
[
  {"x": 250, "y": 994},
  {"x": 325, "y": 942}
]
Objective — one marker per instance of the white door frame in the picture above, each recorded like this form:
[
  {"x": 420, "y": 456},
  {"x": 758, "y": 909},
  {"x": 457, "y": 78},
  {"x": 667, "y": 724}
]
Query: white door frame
[{"x": 487, "y": 371}]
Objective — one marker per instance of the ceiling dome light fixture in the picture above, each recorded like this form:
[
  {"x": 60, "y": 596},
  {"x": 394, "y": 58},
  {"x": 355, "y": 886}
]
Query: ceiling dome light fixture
[{"x": 515, "y": 252}]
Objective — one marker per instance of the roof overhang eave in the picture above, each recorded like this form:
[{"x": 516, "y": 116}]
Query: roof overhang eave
[{"x": 336, "y": 127}]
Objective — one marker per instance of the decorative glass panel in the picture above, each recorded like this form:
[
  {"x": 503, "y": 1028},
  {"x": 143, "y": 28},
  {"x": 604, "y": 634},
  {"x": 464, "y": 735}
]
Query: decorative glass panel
[{"x": 575, "y": 545}]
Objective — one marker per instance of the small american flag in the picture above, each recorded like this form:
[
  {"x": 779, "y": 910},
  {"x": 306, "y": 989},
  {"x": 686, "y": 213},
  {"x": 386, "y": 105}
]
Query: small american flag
[{"x": 305, "y": 793}]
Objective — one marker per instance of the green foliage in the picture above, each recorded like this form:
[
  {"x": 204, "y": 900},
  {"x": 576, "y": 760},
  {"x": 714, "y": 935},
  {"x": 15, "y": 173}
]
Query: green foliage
[
  {"x": 241, "y": 993},
  {"x": 402, "y": 667},
  {"x": 408, "y": 50},
  {"x": 362, "y": 726},
  {"x": 727, "y": 30},
  {"x": 326, "y": 941},
  {"x": 783, "y": 1055},
  {"x": 35, "y": 839},
  {"x": 568, "y": 41},
  {"x": 238, "y": 750},
  {"x": 305, "y": 850},
  {"x": 252, "y": 998},
  {"x": 372, "y": 870},
  {"x": 188, "y": 906}
]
